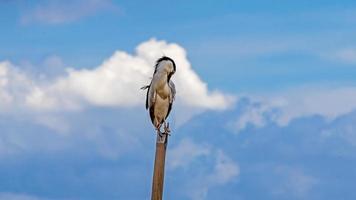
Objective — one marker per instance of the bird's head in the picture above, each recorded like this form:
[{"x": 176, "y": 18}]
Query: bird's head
[{"x": 167, "y": 65}]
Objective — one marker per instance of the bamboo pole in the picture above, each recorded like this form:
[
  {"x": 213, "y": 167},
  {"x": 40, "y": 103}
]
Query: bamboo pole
[{"x": 158, "y": 172}]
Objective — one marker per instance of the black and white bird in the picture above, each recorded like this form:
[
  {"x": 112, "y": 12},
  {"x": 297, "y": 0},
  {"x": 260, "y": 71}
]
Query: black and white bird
[{"x": 161, "y": 93}]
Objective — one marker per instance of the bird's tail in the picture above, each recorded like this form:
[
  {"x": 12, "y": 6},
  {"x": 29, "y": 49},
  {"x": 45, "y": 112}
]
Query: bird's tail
[{"x": 145, "y": 87}]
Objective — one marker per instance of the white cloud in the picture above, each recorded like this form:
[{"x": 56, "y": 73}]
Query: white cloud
[
  {"x": 225, "y": 171},
  {"x": 13, "y": 86},
  {"x": 58, "y": 12},
  {"x": 284, "y": 107},
  {"x": 116, "y": 82},
  {"x": 254, "y": 114},
  {"x": 187, "y": 155},
  {"x": 186, "y": 152},
  {"x": 327, "y": 102}
]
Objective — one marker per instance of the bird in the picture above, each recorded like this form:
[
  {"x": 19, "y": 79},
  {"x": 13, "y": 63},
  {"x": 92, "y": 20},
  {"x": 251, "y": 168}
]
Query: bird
[{"x": 161, "y": 93}]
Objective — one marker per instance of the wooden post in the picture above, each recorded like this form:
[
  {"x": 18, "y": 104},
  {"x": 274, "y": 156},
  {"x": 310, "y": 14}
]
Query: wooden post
[{"x": 158, "y": 172}]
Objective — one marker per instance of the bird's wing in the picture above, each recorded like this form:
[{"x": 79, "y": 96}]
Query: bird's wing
[
  {"x": 152, "y": 114},
  {"x": 173, "y": 91},
  {"x": 150, "y": 95},
  {"x": 147, "y": 97},
  {"x": 150, "y": 98},
  {"x": 146, "y": 87},
  {"x": 171, "y": 96}
]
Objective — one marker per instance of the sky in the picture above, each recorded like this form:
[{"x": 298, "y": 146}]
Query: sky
[{"x": 265, "y": 107}]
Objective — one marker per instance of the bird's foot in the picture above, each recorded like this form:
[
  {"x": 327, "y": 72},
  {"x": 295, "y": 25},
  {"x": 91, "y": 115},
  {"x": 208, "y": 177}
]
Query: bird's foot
[
  {"x": 158, "y": 129},
  {"x": 166, "y": 129},
  {"x": 161, "y": 134}
]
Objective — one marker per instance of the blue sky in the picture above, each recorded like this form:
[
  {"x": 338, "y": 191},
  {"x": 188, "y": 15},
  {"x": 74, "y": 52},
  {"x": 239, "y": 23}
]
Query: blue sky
[
  {"x": 266, "y": 103},
  {"x": 255, "y": 40}
]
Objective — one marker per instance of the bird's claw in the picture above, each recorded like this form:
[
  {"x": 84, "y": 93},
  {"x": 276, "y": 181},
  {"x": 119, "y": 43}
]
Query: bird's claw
[
  {"x": 158, "y": 129},
  {"x": 161, "y": 134},
  {"x": 166, "y": 129}
]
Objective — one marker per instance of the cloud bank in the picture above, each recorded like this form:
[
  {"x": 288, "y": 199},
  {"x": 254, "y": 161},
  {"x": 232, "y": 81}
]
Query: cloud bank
[
  {"x": 114, "y": 83},
  {"x": 284, "y": 107},
  {"x": 214, "y": 166}
]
